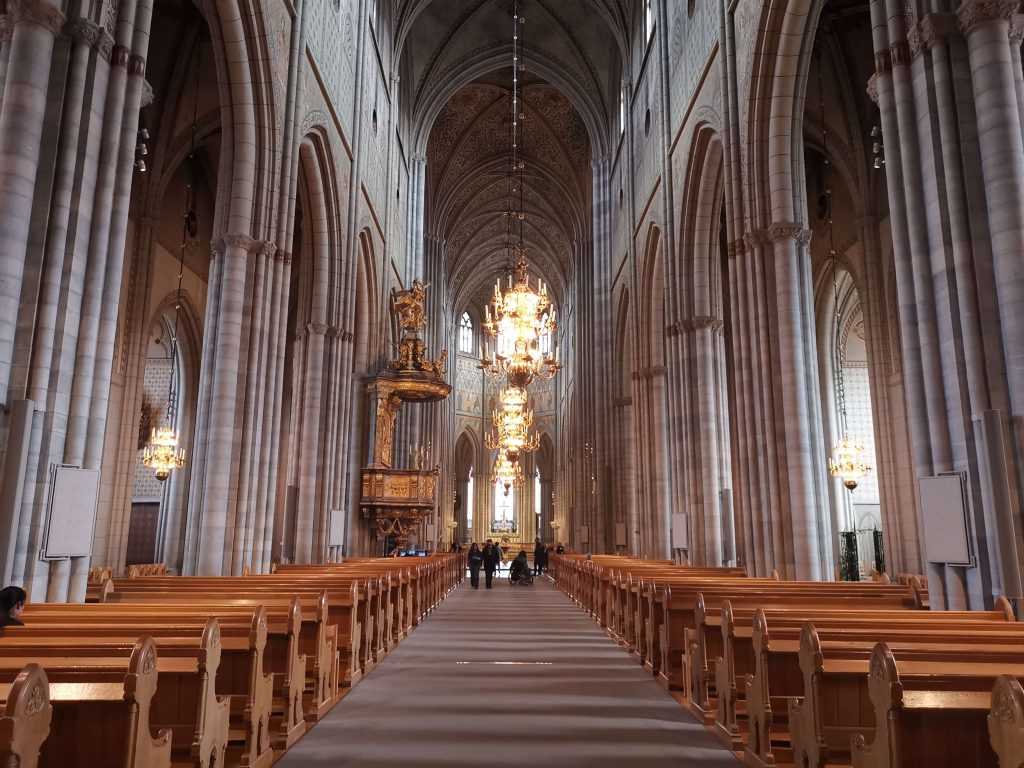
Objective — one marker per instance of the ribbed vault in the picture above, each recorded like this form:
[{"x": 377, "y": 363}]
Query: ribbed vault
[{"x": 468, "y": 184}]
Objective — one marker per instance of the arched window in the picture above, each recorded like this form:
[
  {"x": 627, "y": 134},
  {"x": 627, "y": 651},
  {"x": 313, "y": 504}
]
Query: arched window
[
  {"x": 537, "y": 501},
  {"x": 469, "y": 505},
  {"x": 466, "y": 334},
  {"x": 545, "y": 338},
  {"x": 622, "y": 109}
]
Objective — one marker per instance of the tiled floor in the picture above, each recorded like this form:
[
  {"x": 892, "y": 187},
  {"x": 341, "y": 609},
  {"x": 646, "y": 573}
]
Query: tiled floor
[{"x": 514, "y": 676}]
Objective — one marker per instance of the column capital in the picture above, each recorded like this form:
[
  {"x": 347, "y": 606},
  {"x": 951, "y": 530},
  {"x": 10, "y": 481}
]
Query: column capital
[
  {"x": 248, "y": 243},
  {"x": 789, "y": 230},
  {"x": 735, "y": 248},
  {"x": 975, "y": 12},
  {"x": 872, "y": 89},
  {"x": 697, "y": 323},
  {"x": 933, "y": 28},
  {"x": 418, "y": 158},
  {"x": 38, "y": 12}
]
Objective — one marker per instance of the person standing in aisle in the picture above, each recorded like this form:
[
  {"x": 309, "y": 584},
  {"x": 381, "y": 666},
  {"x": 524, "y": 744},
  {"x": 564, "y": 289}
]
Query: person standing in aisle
[
  {"x": 540, "y": 558},
  {"x": 474, "y": 560},
  {"x": 492, "y": 559}
]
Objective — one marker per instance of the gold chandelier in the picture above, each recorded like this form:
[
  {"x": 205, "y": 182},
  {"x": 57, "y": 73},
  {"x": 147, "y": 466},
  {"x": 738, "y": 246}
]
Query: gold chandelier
[
  {"x": 507, "y": 473},
  {"x": 162, "y": 452},
  {"x": 846, "y": 461},
  {"x": 523, "y": 319},
  {"x": 512, "y": 432}
]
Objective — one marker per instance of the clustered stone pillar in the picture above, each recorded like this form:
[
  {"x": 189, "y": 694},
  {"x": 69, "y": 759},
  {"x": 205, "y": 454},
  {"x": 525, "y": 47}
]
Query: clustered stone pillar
[
  {"x": 956, "y": 194},
  {"x": 71, "y": 262}
]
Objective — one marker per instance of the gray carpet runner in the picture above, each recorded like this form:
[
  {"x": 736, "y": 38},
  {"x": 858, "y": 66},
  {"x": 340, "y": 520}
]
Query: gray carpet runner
[{"x": 513, "y": 676}]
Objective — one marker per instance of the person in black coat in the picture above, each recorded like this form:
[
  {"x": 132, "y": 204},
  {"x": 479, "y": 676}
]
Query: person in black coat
[
  {"x": 540, "y": 558},
  {"x": 492, "y": 559},
  {"x": 474, "y": 559}
]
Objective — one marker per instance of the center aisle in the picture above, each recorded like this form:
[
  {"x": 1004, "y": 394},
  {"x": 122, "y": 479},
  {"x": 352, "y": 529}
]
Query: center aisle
[{"x": 513, "y": 676}]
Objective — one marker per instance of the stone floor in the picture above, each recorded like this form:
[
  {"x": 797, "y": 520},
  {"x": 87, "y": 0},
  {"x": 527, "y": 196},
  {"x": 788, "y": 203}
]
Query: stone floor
[{"x": 514, "y": 676}]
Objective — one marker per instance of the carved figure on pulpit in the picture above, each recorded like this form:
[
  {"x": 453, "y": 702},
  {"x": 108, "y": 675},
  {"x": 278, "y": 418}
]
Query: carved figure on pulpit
[{"x": 409, "y": 308}]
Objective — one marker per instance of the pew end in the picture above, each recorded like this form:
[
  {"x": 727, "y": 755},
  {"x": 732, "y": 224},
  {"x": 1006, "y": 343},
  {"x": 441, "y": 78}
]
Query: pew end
[
  {"x": 1006, "y": 722},
  {"x": 25, "y": 722}
]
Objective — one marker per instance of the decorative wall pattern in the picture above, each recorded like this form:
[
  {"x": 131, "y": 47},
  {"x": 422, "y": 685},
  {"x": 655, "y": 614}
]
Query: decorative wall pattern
[{"x": 156, "y": 381}]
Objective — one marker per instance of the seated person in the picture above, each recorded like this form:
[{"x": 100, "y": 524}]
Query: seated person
[
  {"x": 12, "y": 603},
  {"x": 520, "y": 568}
]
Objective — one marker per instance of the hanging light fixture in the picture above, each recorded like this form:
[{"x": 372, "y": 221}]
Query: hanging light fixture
[
  {"x": 507, "y": 473},
  {"x": 512, "y": 432},
  {"x": 847, "y": 459},
  {"x": 523, "y": 317},
  {"x": 163, "y": 452}
]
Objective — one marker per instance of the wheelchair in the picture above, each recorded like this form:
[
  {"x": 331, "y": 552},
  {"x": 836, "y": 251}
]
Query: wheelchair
[{"x": 520, "y": 579}]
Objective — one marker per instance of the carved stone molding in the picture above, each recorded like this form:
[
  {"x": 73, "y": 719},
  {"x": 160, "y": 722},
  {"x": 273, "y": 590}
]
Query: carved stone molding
[
  {"x": 900, "y": 51},
  {"x": 933, "y": 28},
  {"x": 735, "y": 248},
  {"x": 705, "y": 322},
  {"x": 883, "y": 62},
  {"x": 980, "y": 11},
  {"x": 754, "y": 238},
  {"x": 84, "y": 31},
  {"x": 1017, "y": 29},
  {"x": 241, "y": 240},
  {"x": 36, "y": 12},
  {"x": 317, "y": 328},
  {"x": 147, "y": 94},
  {"x": 788, "y": 230},
  {"x": 872, "y": 89},
  {"x": 119, "y": 56},
  {"x": 137, "y": 66}
]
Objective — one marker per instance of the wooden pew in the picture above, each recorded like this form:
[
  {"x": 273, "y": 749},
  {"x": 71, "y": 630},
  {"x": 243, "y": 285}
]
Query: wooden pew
[
  {"x": 726, "y": 644},
  {"x": 241, "y": 676},
  {"x": 679, "y": 611},
  {"x": 929, "y": 713},
  {"x": 185, "y": 702},
  {"x": 101, "y": 710},
  {"x": 25, "y": 722},
  {"x": 337, "y": 648},
  {"x": 1006, "y": 722},
  {"x": 781, "y": 726},
  {"x": 284, "y": 644}
]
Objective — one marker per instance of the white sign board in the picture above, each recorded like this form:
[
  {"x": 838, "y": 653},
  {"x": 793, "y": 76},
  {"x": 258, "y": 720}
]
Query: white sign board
[
  {"x": 680, "y": 531},
  {"x": 620, "y": 535},
  {"x": 336, "y": 529},
  {"x": 944, "y": 513},
  {"x": 74, "y": 495}
]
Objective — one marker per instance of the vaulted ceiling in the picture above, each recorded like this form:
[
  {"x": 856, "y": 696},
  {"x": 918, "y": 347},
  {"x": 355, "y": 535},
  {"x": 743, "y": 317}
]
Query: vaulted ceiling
[
  {"x": 468, "y": 175},
  {"x": 456, "y": 59}
]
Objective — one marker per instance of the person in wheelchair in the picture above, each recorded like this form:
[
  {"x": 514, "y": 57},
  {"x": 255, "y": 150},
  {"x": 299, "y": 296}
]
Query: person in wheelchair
[{"x": 519, "y": 572}]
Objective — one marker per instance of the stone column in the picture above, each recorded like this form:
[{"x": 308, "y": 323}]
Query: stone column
[
  {"x": 34, "y": 26},
  {"x": 995, "y": 72}
]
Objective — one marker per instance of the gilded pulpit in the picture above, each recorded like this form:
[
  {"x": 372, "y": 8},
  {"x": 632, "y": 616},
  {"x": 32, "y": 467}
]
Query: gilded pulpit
[{"x": 397, "y": 499}]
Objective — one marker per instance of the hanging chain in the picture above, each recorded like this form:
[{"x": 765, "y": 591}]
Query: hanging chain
[
  {"x": 519, "y": 65},
  {"x": 837, "y": 355},
  {"x": 187, "y": 223}
]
